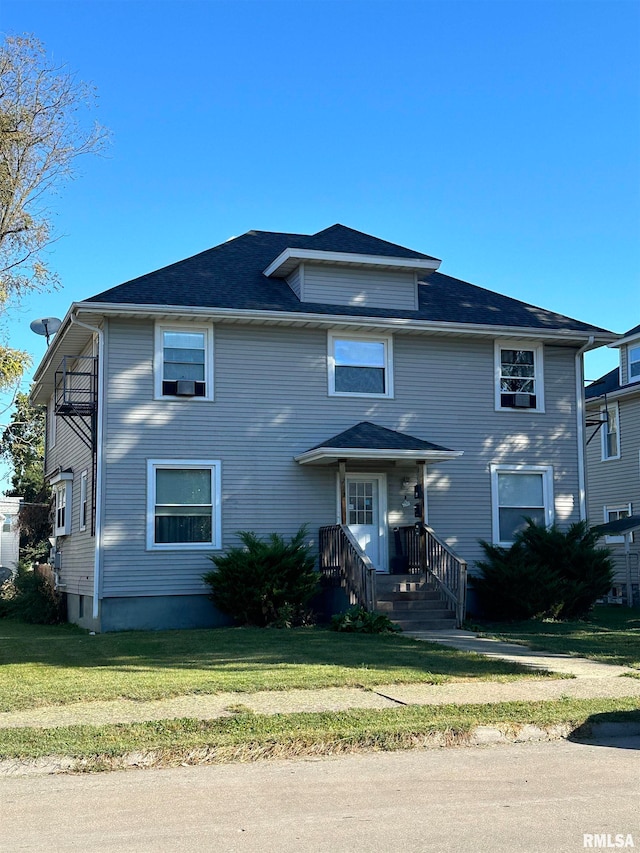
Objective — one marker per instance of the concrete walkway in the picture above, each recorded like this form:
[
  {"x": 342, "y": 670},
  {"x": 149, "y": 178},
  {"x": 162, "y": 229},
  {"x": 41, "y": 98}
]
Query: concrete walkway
[{"x": 592, "y": 680}]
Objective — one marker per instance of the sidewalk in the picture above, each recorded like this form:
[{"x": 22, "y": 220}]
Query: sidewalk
[{"x": 592, "y": 680}]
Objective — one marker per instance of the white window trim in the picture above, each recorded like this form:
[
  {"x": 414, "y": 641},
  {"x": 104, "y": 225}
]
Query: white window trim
[
  {"x": 216, "y": 521},
  {"x": 386, "y": 340},
  {"x": 158, "y": 359},
  {"x": 603, "y": 439},
  {"x": 616, "y": 539},
  {"x": 62, "y": 482},
  {"x": 631, "y": 378},
  {"x": 538, "y": 373},
  {"x": 547, "y": 494},
  {"x": 84, "y": 502}
]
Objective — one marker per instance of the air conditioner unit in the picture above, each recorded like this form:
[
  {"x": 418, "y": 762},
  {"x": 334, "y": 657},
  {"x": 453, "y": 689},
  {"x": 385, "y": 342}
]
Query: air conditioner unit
[
  {"x": 185, "y": 388},
  {"x": 522, "y": 401}
]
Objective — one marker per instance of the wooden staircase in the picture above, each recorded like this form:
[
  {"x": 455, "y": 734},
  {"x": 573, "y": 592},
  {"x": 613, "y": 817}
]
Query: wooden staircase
[{"x": 413, "y": 603}]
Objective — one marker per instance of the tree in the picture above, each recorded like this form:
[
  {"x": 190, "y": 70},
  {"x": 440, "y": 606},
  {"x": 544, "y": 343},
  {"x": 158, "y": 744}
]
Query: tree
[
  {"x": 22, "y": 446},
  {"x": 41, "y": 135}
]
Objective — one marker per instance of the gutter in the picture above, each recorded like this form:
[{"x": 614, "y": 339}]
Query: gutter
[
  {"x": 97, "y": 569},
  {"x": 581, "y": 436}
]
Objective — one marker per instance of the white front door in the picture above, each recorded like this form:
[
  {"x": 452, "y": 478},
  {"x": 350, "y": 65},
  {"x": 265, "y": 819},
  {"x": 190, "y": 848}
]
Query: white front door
[{"x": 366, "y": 515}]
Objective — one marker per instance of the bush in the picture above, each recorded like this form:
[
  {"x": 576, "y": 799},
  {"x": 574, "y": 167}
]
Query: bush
[
  {"x": 266, "y": 582},
  {"x": 30, "y": 598},
  {"x": 547, "y": 572},
  {"x": 357, "y": 620}
]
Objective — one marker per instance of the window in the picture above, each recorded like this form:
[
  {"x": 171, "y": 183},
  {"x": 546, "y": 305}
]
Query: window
[
  {"x": 520, "y": 492},
  {"x": 184, "y": 504},
  {"x": 83, "y": 499},
  {"x": 519, "y": 376},
  {"x": 360, "y": 366},
  {"x": 615, "y": 513},
  {"x": 6, "y": 524},
  {"x": 184, "y": 362},
  {"x": 61, "y": 484},
  {"x": 610, "y": 431},
  {"x": 634, "y": 364}
]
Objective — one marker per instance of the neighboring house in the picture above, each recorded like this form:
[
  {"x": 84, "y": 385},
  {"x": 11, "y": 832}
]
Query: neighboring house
[
  {"x": 9, "y": 535},
  {"x": 613, "y": 462},
  {"x": 334, "y": 380}
]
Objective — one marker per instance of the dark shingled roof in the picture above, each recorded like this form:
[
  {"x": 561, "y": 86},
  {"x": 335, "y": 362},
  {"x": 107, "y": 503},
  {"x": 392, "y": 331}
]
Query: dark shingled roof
[
  {"x": 607, "y": 384},
  {"x": 231, "y": 276},
  {"x": 368, "y": 436}
]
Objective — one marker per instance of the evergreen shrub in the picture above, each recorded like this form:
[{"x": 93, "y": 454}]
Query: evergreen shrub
[
  {"x": 546, "y": 573},
  {"x": 265, "y": 582}
]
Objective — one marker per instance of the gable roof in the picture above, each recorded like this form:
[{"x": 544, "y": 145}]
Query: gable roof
[{"x": 230, "y": 276}]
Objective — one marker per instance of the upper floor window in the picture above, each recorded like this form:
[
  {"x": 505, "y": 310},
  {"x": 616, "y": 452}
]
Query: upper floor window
[
  {"x": 184, "y": 362},
  {"x": 184, "y": 504},
  {"x": 610, "y": 431},
  {"x": 519, "y": 376},
  {"x": 360, "y": 366},
  {"x": 520, "y": 492},
  {"x": 634, "y": 364},
  {"x": 6, "y": 524},
  {"x": 616, "y": 513}
]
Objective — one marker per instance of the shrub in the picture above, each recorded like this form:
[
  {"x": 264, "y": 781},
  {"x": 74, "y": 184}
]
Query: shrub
[
  {"x": 266, "y": 582},
  {"x": 357, "y": 620},
  {"x": 30, "y": 598},
  {"x": 547, "y": 572}
]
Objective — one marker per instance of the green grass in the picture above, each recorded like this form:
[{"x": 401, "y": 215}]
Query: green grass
[
  {"x": 249, "y": 736},
  {"x": 57, "y": 665},
  {"x": 610, "y": 635}
]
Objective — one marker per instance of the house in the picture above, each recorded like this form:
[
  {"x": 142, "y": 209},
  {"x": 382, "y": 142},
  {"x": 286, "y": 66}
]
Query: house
[
  {"x": 613, "y": 464},
  {"x": 9, "y": 535},
  {"x": 335, "y": 380}
]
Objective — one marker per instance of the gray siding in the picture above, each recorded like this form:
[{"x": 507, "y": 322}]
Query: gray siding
[
  {"x": 295, "y": 281},
  {"x": 77, "y": 549},
  {"x": 351, "y": 286},
  {"x": 615, "y": 482},
  {"x": 272, "y": 403}
]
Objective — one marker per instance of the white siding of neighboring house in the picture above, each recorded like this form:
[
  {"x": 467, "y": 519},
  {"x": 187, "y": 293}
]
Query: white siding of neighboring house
[
  {"x": 272, "y": 403},
  {"x": 359, "y": 287},
  {"x": 10, "y": 539}
]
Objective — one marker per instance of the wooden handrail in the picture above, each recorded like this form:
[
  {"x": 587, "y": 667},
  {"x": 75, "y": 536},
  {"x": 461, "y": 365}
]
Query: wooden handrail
[
  {"x": 342, "y": 559},
  {"x": 426, "y": 552}
]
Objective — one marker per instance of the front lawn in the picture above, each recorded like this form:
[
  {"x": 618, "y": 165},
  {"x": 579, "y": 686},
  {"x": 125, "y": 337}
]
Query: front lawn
[
  {"x": 610, "y": 634},
  {"x": 57, "y": 665}
]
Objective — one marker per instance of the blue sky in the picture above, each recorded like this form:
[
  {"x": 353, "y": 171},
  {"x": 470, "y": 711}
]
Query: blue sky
[{"x": 502, "y": 137}]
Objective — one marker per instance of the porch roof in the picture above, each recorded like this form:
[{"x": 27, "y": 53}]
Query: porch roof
[{"x": 370, "y": 441}]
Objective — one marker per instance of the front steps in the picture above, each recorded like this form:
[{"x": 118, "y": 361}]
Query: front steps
[{"x": 413, "y": 603}]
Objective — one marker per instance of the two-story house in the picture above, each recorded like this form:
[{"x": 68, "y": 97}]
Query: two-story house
[
  {"x": 613, "y": 463},
  {"x": 334, "y": 380}
]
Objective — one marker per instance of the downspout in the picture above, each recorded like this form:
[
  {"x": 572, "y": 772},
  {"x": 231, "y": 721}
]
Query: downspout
[
  {"x": 581, "y": 426},
  {"x": 97, "y": 573}
]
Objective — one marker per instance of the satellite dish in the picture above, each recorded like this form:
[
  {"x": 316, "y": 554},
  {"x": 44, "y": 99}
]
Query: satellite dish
[{"x": 47, "y": 326}]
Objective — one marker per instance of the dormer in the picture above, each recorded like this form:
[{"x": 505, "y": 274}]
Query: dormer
[
  {"x": 629, "y": 346},
  {"x": 353, "y": 279}
]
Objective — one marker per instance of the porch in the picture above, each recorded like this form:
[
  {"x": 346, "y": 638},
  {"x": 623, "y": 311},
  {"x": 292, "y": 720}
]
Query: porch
[{"x": 381, "y": 561}]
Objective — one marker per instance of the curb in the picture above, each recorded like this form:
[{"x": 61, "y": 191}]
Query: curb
[{"x": 481, "y": 736}]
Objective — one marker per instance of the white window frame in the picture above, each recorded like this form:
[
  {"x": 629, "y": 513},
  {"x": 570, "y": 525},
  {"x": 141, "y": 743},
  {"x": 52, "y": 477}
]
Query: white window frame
[
  {"x": 538, "y": 373},
  {"x": 604, "y": 447},
  {"x": 630, "y": 361},
  {"x": 547, "y": 494},
  {"x": 84, "y": 503},
  {"x": 62, "y": 485},
  {"x": 214, "y": 465},
  {"x": 617, "y": 539},
  {"x": 385, "y": 340},
  {"x": 158, "y": 360}
]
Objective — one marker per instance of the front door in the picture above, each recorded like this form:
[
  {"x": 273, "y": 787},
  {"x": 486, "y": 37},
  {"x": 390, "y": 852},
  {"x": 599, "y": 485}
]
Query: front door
[{"x": 366, "y": 515}]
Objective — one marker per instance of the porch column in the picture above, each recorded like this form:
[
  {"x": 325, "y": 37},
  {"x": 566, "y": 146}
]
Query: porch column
[
  {"x": 422, "y": 491},
  {"x": 342, "y": 466}
]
